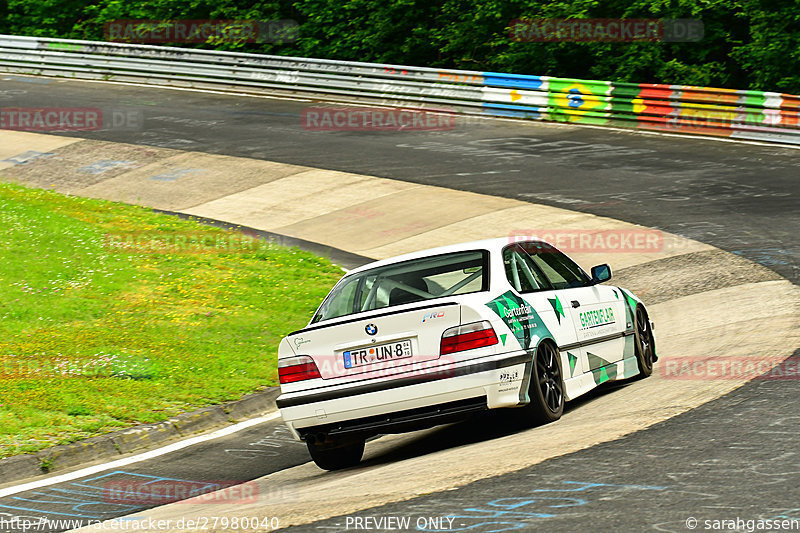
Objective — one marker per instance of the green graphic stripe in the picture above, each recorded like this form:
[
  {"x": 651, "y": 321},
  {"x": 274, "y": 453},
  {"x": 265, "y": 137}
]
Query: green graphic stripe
[{"x": 520, "y": 317}]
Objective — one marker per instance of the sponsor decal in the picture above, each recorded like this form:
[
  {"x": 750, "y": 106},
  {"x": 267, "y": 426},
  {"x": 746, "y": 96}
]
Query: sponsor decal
[
  {"x": 299, "y": 341},
  {"x": 518, "y": 311},
  {"x": 431, "y": 316},
  {"x": 596, "y": 318},
  {"x": 523, "y": 321},
  {"x": 509, "y": 376}
]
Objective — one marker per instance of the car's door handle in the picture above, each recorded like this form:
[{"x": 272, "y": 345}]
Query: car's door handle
[{"x": 576, "y": 303}]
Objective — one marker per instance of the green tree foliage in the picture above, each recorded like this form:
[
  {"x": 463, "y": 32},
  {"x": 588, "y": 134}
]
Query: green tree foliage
[
  {"x": 751, "y": 44},
  {"x": 770, "y": 55},
  {"x": 4, "y": 28}
]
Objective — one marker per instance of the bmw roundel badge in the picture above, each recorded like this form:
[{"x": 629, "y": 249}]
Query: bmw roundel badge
[{"x": 371, "y": 329}]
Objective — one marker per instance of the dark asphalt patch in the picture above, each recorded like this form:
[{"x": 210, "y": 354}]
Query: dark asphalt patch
[
  {"x": 734, "y": 457},
  {"x": 194, "y": 470},
  {"x": 683, "y": 275}
]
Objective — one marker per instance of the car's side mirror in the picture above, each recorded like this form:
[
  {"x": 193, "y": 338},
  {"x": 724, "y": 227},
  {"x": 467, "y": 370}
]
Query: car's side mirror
[{"x": 600, "y": 273}]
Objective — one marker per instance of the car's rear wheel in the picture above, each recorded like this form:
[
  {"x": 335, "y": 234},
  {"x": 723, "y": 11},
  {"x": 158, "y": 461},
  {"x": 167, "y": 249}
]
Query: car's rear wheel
[
  {"x": 335, "y": 454},
  {"x": 645, "y": 343},
  {"x": 546, "y": 388}
]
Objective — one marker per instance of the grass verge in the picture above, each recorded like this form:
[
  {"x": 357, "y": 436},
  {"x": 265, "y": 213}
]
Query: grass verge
[{"x": 112, "y": 315}]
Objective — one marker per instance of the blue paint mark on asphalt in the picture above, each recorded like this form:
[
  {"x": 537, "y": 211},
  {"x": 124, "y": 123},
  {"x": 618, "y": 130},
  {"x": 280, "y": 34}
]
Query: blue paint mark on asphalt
[
  {"x": 508, "y": 511},
  {"x": 48, "y": 512},
  {"x": 104, "y": 165},
  {"x": 27, "y": 80},
  {"x": 766, "y": 256},
  {"x": 90, "y": 498},
  {"x": 175, "y": 174},
  {"x": 26, "y": 157},
  {"x": 520, "y": 502},
  {"x": 586, "y": 486}
]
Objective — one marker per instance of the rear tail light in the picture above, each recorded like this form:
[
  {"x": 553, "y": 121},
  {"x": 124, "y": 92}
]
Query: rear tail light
[
  {"x": 468, "y": 337},
  {"x": 297, "y": 369}
]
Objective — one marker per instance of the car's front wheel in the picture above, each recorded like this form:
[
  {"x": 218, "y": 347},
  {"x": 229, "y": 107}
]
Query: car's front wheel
[
  {"x": 546, "y": 389},
  {"x": 335, "y": 454},
  {"x": 645, "y": 343}
]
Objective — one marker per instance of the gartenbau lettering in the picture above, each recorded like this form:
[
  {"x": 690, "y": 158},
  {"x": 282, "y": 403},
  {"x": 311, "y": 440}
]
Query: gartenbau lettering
[{"x": 597, "y": 317}]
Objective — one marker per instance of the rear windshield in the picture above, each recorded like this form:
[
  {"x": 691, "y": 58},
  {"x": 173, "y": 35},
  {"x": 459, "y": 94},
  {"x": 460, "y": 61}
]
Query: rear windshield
[{"x": 407, "y": 282}]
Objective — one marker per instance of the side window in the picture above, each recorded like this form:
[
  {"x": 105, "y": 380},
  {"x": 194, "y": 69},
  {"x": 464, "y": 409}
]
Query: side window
[
  {"x": 343, "y": 304},
  {"x": 560, "y": 270},
  {"x": 523, "y": 275}
]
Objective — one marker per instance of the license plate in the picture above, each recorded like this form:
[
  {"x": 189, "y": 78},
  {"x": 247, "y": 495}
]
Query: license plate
[{"x": 379, "y": 353}]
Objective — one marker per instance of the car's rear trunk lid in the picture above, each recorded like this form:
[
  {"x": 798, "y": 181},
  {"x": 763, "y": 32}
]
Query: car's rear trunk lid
[{"x": 378, "y": 343}]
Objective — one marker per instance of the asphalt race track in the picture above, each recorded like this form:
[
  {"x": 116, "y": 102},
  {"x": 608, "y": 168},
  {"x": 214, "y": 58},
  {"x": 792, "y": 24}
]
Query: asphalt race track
[
  {"x": 730, "y": 458},
  {"x": 238, "y": 458},
  {"x": 742, "y": 198}
]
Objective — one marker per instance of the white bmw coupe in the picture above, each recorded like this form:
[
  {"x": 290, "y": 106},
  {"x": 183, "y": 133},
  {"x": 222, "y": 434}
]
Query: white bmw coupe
[{"x": 430, "y": 337}]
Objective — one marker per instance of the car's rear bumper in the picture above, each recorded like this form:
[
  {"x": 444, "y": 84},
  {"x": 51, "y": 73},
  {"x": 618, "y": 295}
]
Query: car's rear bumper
[{"x": 436, "y": 396}]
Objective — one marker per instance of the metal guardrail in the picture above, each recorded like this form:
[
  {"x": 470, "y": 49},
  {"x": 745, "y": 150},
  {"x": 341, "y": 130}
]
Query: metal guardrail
[{"x": 753, "y": 115}]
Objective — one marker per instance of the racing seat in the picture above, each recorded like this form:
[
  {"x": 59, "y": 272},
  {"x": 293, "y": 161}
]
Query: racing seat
[{"x": 400, "y": 296}]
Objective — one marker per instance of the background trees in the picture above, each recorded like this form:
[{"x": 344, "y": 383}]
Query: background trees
[{"x": 748, "y": 44}]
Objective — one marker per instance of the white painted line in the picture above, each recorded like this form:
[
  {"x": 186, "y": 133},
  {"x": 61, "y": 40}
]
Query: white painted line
[{"x": 137, "y": 458}]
